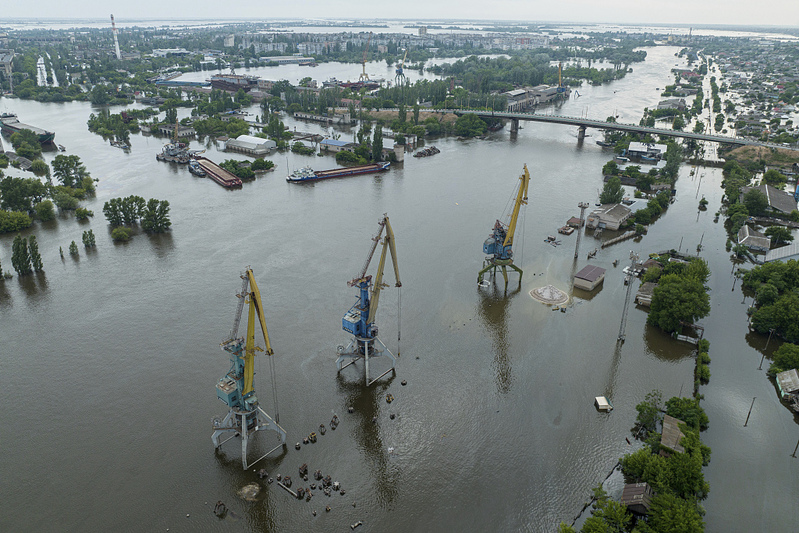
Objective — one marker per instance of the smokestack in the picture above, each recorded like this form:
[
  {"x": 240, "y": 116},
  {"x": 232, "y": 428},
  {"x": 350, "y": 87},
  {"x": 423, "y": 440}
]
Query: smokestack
[{"x": 116, "y": 41}]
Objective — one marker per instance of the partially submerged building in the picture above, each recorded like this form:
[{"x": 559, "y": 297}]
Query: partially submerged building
[
  {"x": 589, "y": 277},
  {"x": 779, "y": 201},
  {"x": 247, "y": 144},
  {"x": 644, "y": 294},
  {"x": 609, "y": 216},
  {"x": 754, "y": 240},
  {"x": 637, "y": 497},
  {"x": 788, "y": 383}
]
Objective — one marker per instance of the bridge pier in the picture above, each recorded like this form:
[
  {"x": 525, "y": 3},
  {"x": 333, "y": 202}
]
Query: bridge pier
[
  {"x": 514, "y": 125},
  {"x": 581, "y": 133}
]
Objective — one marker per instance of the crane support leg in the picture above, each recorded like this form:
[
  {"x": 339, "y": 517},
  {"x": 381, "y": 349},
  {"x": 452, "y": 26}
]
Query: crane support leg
[
  {"x": 366, "y": 349},
  {"x": 245, "y": 424}
]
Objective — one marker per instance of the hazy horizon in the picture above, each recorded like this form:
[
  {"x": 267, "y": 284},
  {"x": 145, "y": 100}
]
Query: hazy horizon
[{"x": 769, "y": 13}]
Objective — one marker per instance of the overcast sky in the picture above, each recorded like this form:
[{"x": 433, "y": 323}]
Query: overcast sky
[{"x": 735, "y": 12}]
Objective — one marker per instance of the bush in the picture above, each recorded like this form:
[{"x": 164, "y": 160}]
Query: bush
[
  {"x": 262, "y": 164},
  {"x": 44, "y": 210},
  {"x": 703, "y": 358},
  {"x": 785, "y": 358},
  {"x": 13, "y": 221},
  {"x": 703, "y": 345},
  {"x": 40, "y": 168},
  {"x": 83, "y": 213},
  {"x": 65, "y": 202},
  {"x": 121, "y": 233},
  {"x": 349, "y": 157}
]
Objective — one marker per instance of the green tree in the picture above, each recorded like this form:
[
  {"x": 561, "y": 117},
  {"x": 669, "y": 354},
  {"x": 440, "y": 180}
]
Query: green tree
[
  {"x": 377, "y": 144},
  {"x": 648, "y": 414},
  {"x": 21, "y": 194},
  {"x": 112, "y": 210},
  {"x": 401, "y": 114},
  {"x": 612, "y": 193},
  {"x": 171, "y": 116},
  {"x": 13, "y": 221},
  {"x": 39, "y": 167},
  {"x": 672, "y": 514},
  {"x": 73, "y": 248},
  {"x": 69, "y": 170},
  {"x": 28, "y": 141},
  {"x": 469, "y": 126},
  {"x": 756, "y": 202},
  {"x": 132, "y": 209},
  {"x": 20, "y": 257},
  {"x": 677, "y": 300},
  {"x": 699, "y": 127},
  {"x": 36, "y": 258},
  {"x": 689, "y": 411},
  {"x": 156, "y": 216},
  {"x": 44, "y": 210},
  {"x": 416, "y": 114},
  {"x": 774, "y": 178},
  {"x": 89, "y": 239},
  {"x": 785, "y": 358},
  {"x": 678, "y": 123},
  {"x": 82, "y": 213},
  {"x": 779, "y": 234},
  {"x": 65, "y": 201}
]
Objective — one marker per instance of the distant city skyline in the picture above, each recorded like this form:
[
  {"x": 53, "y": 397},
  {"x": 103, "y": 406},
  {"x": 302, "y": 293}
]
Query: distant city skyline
[{"x": 780, "y": 13}]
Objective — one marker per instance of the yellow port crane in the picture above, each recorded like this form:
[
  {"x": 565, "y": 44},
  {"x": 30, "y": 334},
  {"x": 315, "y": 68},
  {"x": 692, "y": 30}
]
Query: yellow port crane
[
  {"x": 364, "y": 76},
  {"x": 499, "y": 245},
  {"x": 236, "y": 389}
]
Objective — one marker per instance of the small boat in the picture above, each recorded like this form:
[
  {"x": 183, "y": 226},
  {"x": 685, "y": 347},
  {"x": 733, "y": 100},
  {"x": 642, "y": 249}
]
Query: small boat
[
  {"x": 120, "y": 144},
  {"x": 604, "y": 144},
  {"x": 301, "y": 174},
  {"x": 61, "y": 148}
]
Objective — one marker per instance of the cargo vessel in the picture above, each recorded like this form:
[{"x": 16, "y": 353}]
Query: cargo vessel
[
  {"x": 217, "y": 173},
  {"x": 307, "y": 174},
  {"x": 233, "y": 82},
  {"x": 10, "y": 125}
]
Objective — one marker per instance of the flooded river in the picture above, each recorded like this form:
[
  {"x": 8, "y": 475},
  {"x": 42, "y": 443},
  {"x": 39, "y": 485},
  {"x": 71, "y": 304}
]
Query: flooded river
[{"x": 109, "y": 361}]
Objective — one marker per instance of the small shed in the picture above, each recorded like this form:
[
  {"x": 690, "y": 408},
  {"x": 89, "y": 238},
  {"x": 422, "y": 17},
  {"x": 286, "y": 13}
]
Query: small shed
[
  {"x": 589, "y": 277},
  {"x": 671, "y": 435},
  {"x": 644, "y": 294},
  {"x": 788, "y": 383},
  {"x": 602, "y": 404},
  {"x": 637, "y": 497},
  {"x": 575, "y": 222}
]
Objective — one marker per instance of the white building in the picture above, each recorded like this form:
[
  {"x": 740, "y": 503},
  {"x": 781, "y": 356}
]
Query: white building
[{"x": 247, "y": 144}]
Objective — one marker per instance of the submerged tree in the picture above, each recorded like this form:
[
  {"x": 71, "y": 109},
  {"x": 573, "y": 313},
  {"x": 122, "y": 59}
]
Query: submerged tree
[
  {"x": 20, "y": 257},
  {"x": 36, "y": 258},
  {"x": 156, "y": 216},
  {"x": 612, "y": 193}
]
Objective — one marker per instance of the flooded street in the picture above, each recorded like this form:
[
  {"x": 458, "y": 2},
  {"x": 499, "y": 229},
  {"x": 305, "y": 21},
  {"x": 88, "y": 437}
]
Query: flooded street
[{"x": 110, "y": 360}]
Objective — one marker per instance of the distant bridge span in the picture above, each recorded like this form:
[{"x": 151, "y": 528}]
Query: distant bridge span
[{"x": 584, "y": 123}]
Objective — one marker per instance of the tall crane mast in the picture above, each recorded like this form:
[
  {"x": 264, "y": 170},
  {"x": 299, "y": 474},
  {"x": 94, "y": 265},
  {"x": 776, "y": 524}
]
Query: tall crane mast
[
  {"x": 364, "y": 76},
  {"x": 399, "y": 78},
  {"x": 237, "y": 388},
  {"x": 360, "y": 319},
  {"x": 499, "y": 245}
]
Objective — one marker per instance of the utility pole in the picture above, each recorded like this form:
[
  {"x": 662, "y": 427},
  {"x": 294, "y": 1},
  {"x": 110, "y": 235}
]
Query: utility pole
[
  {"x": 583, "y": 206},
  {"x": 629, "y": 279}
]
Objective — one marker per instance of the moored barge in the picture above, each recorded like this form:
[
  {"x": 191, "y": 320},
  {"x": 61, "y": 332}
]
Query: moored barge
[{"x": 315, "y": 175}]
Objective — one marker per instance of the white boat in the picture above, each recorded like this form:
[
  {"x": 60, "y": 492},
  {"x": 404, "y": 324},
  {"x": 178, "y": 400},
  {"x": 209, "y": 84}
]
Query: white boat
[{"x": 301, "y": 174}]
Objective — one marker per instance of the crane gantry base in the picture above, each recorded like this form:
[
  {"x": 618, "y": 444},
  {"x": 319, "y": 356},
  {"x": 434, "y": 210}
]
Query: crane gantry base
[
  {"x": 245, "y": 424},
  {"x": 504, "y": 265},
  {"x": 363, "y": 348}
]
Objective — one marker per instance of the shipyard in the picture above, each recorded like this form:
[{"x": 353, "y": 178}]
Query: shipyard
[{"x": 504, "y": 254}]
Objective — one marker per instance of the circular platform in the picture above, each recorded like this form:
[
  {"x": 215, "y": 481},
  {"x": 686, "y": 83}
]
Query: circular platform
[{"x": 549, "y": 295}]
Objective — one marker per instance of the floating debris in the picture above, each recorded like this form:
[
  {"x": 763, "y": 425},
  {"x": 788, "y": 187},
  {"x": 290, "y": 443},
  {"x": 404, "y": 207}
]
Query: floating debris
[
  {"x": 389, "y": 398},
  {"x": 287, "y": 481},
  {"x": 317, "y": 475},
  {"x": 550, "y": 294},
  {"x": 391, "y": 416},
  {"x": 279, "y": 477},
  {"x": 327, "y": 509},
  {"x": 297, "y": 446},
  {"x": 300, "y": 493},
  {"x": 249, "y": 492},
  {"x": 304, "y": 469},
  {"x": 220, "y": 509},
  {"x": 334, "y": 422},
  {"x": 305, "y": 440},
  {"x": 342, "y": 492},
  {"x": 350, "y": 410},
  {"x": 312, "y": 437},
  {"x": 322, "y": 429},
  {"x": 263, "y": 474},
  {"x": 327, "y": 481},
  {"x": 403, "y": 382},
  {"x": 336, "y": 486},
  {"x": 356, "y": 524}
]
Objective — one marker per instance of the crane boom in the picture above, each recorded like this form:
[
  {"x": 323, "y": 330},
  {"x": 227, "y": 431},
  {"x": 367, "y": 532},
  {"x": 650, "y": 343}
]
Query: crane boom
[
  {"x": 364, "y": 76},
  {"x": 388, "y": 244},
  {"x": 521, "y": 199}
]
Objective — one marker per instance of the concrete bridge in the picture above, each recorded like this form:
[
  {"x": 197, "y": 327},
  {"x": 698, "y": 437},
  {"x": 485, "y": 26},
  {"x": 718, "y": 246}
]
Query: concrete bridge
[{"x": 583, "y": 123}]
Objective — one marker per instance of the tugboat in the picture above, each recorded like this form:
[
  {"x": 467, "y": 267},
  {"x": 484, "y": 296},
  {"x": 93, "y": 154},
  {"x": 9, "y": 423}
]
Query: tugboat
[
  {"x": 196, "y": 169},
  {"x": 174, "y": 153}
]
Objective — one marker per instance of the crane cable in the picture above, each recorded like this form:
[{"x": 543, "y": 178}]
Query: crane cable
[
  {"x": 399, "y": 317},
  {"x": 274, "y": 387}
]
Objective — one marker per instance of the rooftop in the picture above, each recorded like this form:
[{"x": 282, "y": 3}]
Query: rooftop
[
  {"x": 590, "y": 273},
  {"x": 672, "y": 435}
]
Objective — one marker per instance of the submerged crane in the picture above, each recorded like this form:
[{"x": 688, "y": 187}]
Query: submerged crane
[
  {"x": 499, "y": 244},
  {"x": 360, "y": 319},
  {"x": 364, "y": 76},
  {"x": 237, "y": 388},
  {"x": 399, "y": 78}
]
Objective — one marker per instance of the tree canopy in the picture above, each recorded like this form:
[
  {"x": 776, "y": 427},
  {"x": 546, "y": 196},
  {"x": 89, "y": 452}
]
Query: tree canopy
[{"x": 612, "y": 192}]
